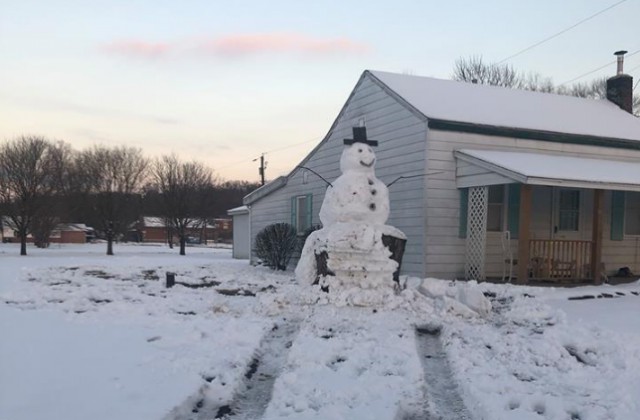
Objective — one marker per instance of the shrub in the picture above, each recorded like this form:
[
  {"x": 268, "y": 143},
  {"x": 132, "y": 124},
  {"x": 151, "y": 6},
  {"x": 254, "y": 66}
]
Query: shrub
[{"x": 275, "y": 245}]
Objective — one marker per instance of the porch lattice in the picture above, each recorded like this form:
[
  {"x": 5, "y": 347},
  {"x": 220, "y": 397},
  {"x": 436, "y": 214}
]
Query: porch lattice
[{"x": 476, "y": 232}]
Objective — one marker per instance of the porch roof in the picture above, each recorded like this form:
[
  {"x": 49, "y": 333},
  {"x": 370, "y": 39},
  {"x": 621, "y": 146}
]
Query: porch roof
[{"x": 491, "y": 167}]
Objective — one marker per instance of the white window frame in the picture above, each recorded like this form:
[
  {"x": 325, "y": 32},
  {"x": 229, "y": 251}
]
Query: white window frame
[{"x": 301, "y": 223}]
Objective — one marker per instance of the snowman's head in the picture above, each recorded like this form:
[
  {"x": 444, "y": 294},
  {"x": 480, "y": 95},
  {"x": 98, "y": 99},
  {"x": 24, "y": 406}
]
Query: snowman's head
[{"x": 357, "y": 157}]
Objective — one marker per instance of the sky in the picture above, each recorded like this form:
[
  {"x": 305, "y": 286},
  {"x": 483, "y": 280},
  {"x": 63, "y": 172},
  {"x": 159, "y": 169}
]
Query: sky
[{"x": 222, "y": 82}]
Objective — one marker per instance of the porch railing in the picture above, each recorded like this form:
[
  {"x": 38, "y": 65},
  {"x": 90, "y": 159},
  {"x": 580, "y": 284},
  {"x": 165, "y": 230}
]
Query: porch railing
[{"x": 559, "y": 259}]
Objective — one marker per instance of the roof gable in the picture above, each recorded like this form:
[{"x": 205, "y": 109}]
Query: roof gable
[{"x": 485, "y": 105}]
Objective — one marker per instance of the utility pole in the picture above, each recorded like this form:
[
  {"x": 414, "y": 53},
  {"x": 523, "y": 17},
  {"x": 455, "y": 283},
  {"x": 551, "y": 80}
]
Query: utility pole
[{"x": 262, "y": 168}]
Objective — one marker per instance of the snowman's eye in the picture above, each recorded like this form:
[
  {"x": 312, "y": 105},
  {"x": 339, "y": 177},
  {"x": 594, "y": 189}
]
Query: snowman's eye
[
  {"x": 369, "y": 150},
  {"x": 359, "y": 150}
]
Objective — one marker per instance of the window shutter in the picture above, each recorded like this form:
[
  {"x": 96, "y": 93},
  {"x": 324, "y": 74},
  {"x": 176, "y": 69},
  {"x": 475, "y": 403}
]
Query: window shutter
[
  {"x": 464, "y": 206},
  {"x": 294, "y": 212},
  {"x": 513, "y": 209},
  {"x": 309, "y": 210},
  {"x": 617, "y": 215}
]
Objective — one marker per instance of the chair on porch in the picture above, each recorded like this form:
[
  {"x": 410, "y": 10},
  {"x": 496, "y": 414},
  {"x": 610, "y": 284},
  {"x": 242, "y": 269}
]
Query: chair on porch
[
  {"x": 561, "y": 269},
  {"x": 507, "y": 253}
]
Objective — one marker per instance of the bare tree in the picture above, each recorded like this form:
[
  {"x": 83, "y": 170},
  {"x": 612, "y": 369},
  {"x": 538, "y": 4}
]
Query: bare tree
[
  {"x": 474, "y": 70},
  {"x": 183, "y": 186},
  {"x": 50, "y": 215},
  {"x": 596, "y": 89},
  {"x": 111, "y": 180},
  {"x": 27, "y": 171}
]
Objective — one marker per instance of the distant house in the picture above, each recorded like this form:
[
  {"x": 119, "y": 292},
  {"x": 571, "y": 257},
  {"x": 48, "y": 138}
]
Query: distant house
[
  {"x": 155, "y": 229},
  {"x": 63, "y": 233},
  {"x": 71, "y": 233},
  {"x": 497, "y": 182}
]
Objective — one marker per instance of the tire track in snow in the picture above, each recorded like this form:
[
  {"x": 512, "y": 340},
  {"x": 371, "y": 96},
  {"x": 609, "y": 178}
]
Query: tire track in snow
[
  {"x": 443, "y": 399},
  {"x": 252, "y": 397}
]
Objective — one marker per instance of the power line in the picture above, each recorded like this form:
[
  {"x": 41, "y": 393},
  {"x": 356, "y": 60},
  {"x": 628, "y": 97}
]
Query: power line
[
  {"x": 588, "y": 73},
  {"x": 599, "y": 68},
  {"x": 270, "y": 151},
  {"x": 561, "y": 32},
  {"x": 293, "y": 145}
]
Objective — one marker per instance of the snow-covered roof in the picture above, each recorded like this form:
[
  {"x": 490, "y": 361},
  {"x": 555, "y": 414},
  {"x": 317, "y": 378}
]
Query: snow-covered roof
[
  {"x": 558, "y": 170},
  {"x": 454, "y": 101},
  {"x": 149, "y": 221},
  {"x": 238, "y": 210},
  {"x": 72, "y": 227},
  {"x": 7, "y": 223},
  {"x": 159, "y": 222}
]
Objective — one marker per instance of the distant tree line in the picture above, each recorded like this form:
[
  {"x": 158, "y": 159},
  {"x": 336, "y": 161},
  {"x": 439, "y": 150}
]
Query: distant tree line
[
  {"x": 475, "y": 70},
  {"x": 44, "y": 183}
]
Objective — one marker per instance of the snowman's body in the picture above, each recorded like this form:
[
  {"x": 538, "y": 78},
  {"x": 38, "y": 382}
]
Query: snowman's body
[
  {"x": 353, "y": 214},
  {"x": 357, "y": 195}
]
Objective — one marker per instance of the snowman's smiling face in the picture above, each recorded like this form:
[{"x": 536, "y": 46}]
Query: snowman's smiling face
[{"x": 357, "y": 157}]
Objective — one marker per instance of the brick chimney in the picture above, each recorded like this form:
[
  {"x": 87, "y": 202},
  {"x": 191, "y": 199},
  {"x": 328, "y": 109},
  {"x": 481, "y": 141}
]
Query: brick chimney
[{"x": 620, "y": 86}]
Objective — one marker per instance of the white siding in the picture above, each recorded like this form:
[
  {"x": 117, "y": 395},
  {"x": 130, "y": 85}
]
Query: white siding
[
  {"x": 241, "y": 237},
  {"x": 401, "y": 152},
  {"x": 445, "y": 252}
]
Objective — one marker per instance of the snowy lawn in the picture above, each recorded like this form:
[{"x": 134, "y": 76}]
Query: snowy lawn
[{"x": 85, "y": 336}]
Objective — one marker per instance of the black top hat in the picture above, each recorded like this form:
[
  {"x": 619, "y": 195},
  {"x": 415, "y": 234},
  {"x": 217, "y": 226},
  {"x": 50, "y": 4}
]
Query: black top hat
[{"x": 360, "y": 136}]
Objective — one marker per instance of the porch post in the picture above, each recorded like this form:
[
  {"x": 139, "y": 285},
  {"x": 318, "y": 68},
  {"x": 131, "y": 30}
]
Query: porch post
[
  {"x": 596, "y": 239},
  {"x": 524, "y": 234}
]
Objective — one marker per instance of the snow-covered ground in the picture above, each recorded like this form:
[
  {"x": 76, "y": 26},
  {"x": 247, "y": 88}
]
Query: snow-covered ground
[{"x": 85, "y": 336}]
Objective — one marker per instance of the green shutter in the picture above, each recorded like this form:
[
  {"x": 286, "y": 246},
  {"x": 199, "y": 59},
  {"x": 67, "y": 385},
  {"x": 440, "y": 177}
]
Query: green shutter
[
  {"x": 294, "y": 212},
  {"x": 464, "y": 205},
  {"x": 617, "y": 215},
  {"x": 513, "y": 210},
  {"x": 309, "y": 210}
]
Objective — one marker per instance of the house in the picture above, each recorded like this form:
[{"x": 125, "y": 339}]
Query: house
[
  {"x": 71, "y": 233},
  {"x": 486, "y": 182},
  {"x": 63, "y": 233},
  {"x": 154, "y": 229}
]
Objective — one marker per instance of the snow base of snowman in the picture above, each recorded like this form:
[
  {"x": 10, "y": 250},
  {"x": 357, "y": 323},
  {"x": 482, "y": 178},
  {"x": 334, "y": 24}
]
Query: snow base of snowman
[{"x": 352, "y": 262}]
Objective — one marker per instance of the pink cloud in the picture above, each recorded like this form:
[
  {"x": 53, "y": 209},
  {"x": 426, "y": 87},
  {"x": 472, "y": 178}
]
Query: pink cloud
[
  {"x": 137, "y": 48},
  {"x": 249, "y": 44},
  {"x": 238, "y": 45}
]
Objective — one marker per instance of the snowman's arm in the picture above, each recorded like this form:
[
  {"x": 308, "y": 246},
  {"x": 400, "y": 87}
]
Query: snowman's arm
[{"x": 317, "y": 174}]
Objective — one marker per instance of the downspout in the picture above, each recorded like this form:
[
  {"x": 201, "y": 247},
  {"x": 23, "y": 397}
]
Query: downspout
[{"x": 250, "y": 237}]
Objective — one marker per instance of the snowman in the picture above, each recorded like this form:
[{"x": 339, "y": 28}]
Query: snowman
[
  {"x": 357, "y": 195},
  {"x": 353, "y": 214}
]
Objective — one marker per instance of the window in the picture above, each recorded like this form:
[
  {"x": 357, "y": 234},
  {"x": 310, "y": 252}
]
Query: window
[
  {"x": 569, "y": 210},
  {"x": 495, "y": 212},
  {"x": 632, "y": 213},
  {"x": 301, "y": 216}
]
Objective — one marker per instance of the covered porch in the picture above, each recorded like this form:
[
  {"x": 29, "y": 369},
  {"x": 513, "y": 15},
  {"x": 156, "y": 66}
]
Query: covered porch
[{"x": 551, "y": 229}]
